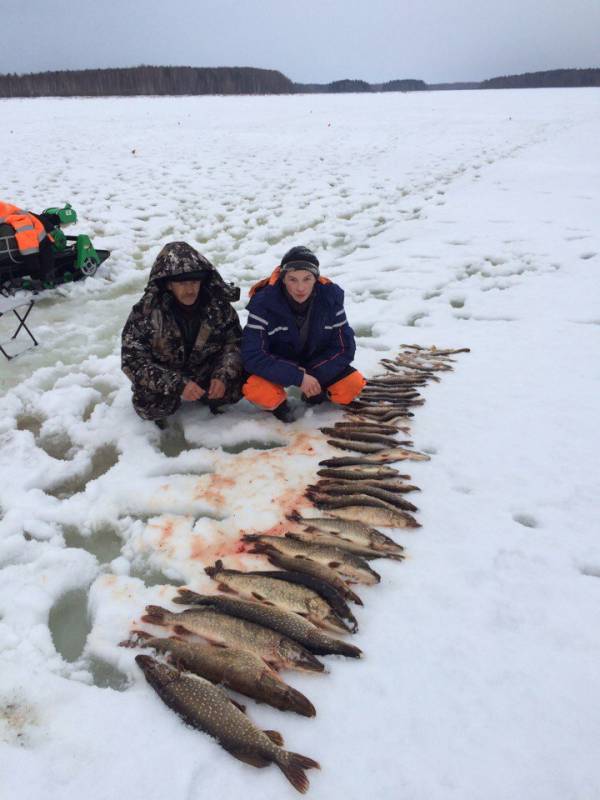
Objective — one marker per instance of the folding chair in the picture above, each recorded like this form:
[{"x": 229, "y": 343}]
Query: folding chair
[{"x": 11, "y": 347}]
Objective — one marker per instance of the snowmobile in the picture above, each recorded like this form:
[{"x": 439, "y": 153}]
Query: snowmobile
[{"x": 73, "y": 257}]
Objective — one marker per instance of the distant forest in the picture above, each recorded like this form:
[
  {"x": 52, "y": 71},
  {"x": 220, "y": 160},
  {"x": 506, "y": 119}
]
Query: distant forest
[{"x": 148, "y": 80}]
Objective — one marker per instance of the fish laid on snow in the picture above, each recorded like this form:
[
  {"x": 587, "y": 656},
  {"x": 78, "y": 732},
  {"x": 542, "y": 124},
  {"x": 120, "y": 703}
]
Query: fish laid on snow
[
  {"x": 364, "y": 508},
  {"x": 353, "y": 434},
  {"x": 335, "y": 540},
  {"x": 208, "y": 708},
  {"x": 382, "y": 453},
  {"x": 237, "y": 669},
  {"x": 392, "y": 484},
  {"x": 366, "y": 427},
  {"x": 351, "y": 567},
  {"x": 363, "y": 472},
  {"x": 324, "y": 589},
  {"x": 290, "y": 625},
  {"x": 277, "y": 650},
  {"x": 353, "y": 531},
  {"x": 362, "y": 460},
  {"x": 292, "y": 597},
  {"x": 373, "y": 490},
  {"x": 313, "y": 569}
]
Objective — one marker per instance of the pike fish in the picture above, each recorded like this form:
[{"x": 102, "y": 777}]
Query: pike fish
[
  {"x": 239, "y": 670},
  {"x": 278, "y": 651},
  {"x": 367, "y": 459},
  {"x": 367, "y": 509},
  {"x": 367, "y": 427},
  {"x": 348, "y": 488},
  {"x": 208, "y": 708},
  {"x": 363, "y": 472},
  {"x": 292, "y": 626},
  {"x": 335, "y": 540},
  {"x": 313, "y": 569},
  {"x": 288, "y": 596},
  {"x": 351, "y": 567},
  {"x": 325, "y": 589},
  {"x": 352, "y": 531},
  {"x": 355, "y": 435}
]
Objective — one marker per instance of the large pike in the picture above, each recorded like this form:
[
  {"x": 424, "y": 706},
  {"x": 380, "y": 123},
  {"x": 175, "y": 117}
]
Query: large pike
[
  {"x": 288, "y": 596},
  {"x": 324, "y": 589},
  {"x": 312, "y": 568},
  {"x": 351, "y": 567},
  {"x": 362, "y": 472},
  {"x": 348, "y": 488},
  {"x": 359, "y": 460},
  {"x": 237, "y": 669},
  {"x": 353, "y": 434},
  {"x": 352, "y": 531},
  {"x": 366, "y": 426},
  {"x": 369, "y": 510},
  {"x": 208, "y": 708},
  {"x": 380, "y": 451},
  {"x": 292, "y": 626},
  {"x": 278, "y": 651}
]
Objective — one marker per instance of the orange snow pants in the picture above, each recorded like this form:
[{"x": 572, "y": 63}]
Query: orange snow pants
[{"x": 270, "y": 395}]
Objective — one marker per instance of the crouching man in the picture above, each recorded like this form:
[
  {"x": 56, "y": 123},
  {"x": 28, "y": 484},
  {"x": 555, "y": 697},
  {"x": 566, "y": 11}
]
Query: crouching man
[
  {"x": 298, "y": 335},
  {"x": 181, "y": 341}
]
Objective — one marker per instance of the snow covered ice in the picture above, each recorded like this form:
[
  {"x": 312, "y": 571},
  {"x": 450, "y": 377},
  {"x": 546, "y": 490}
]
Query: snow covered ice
[{"x": 455, "y": 219}]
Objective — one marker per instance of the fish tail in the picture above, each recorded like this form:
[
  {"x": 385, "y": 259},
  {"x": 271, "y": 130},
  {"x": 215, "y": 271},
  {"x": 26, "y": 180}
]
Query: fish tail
[
  {"x": 250, "y": 537},
  {"x": 156, "y": 615},
  {"x": 136, "y": 639},
  {"x": 353, "y": 596},
  {"x": 294, "y": 516},
  {"x": 215, "y": 569},
  {"x": 188, "y": 598},
  {"x": 293, "y": 765}
]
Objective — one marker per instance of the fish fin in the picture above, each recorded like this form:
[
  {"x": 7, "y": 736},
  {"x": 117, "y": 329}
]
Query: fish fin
[
  {"x": 239, "y": 706},
  {"x": 223, "y": 587},
  {"x": 275, "y": 737},
  {"x": 354, "y": 597},
  {"x": 188, "y": 598},
  {"x": 215, "y": 569},
  {"x": 136, "y": 639},
  {"x": 254, "y": 759},
  {"x": 155, "y": 615},
  {"x": 293, "y": 765},
  {"x": 294, "y": 516},
  {"x": 261, "y": 599},
  {"x": 182, "y": 630},
  {"x": 334, "y": 564}
]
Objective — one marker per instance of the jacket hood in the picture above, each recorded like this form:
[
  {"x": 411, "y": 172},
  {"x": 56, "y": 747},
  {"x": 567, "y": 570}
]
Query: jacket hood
[{"x": 177, "y": 258}]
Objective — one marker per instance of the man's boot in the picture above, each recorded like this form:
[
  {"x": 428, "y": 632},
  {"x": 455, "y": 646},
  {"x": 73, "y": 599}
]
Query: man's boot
[
  {"x": 314, "y": 401},
  {"x": 284, "y": 412}
]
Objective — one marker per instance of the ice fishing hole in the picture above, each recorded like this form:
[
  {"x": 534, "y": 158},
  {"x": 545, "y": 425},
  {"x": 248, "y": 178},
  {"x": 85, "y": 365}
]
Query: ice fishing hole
[
  {"x": 457, "y": 302},
  {"x": 69, "y": 624},
  {"x": 590, "y": 571},
  {"x": 105, "y": 676},
  {"x": 103, "y": 460},
  {"x": 155, "y": 577},
  {"x": 104, "y": 542},
  {"x": 526, "y": 520}
]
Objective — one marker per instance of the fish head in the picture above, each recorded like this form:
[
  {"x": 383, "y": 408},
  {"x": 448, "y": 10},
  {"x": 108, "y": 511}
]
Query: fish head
[{"x": 156, "y": 674}]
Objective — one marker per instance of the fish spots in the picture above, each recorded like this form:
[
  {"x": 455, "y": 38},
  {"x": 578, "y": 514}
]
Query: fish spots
[{"x": 527, "y": 520}]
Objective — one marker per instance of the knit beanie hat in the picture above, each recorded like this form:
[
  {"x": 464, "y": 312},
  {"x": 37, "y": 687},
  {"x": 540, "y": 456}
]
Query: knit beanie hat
[{"x": 300, "y": 258}]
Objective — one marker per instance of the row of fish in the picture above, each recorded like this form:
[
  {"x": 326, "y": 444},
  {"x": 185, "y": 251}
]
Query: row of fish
[{"x": 288, "y": 616}]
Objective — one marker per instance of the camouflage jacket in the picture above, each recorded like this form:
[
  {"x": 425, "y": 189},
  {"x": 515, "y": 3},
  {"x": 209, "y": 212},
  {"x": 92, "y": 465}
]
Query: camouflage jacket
[{"x": 153, "y": 353}]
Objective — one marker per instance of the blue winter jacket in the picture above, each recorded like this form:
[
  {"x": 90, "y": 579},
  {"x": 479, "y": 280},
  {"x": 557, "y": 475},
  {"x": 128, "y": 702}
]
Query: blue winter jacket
[{"x": 271, "y": 343}]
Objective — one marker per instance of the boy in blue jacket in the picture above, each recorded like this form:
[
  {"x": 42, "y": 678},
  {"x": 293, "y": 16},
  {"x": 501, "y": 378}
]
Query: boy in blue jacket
[{"x": 298, "y": 335}]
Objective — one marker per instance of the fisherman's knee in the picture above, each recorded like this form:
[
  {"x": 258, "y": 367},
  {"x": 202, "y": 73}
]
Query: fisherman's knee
[
  {"x": 155, "y": 406},
  {"x": 347, "y": 389},
  {"x": 263, "y": 393}
]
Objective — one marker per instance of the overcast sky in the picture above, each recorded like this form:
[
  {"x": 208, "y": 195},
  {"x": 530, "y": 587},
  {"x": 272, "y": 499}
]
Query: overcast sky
[{"x": 307, "y": 40}]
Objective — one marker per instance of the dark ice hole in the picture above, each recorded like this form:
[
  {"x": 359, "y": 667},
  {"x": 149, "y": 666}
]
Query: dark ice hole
[
  {"x": 104, "y": 543},
  {"x": 103, "y": 460},
  {"x": 69, "y": 624}
]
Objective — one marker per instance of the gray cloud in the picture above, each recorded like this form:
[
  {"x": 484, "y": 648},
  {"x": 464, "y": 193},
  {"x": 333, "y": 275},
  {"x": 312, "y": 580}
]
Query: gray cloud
[{"x": 309, "y": 41}]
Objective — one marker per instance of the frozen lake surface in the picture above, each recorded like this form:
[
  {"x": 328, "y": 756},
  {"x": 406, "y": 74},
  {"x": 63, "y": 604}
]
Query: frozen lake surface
[{"x": 455, "y": 219}]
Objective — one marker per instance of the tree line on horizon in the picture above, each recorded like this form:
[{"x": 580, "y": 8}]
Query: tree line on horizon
[{"x": 149, "y": 80}]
